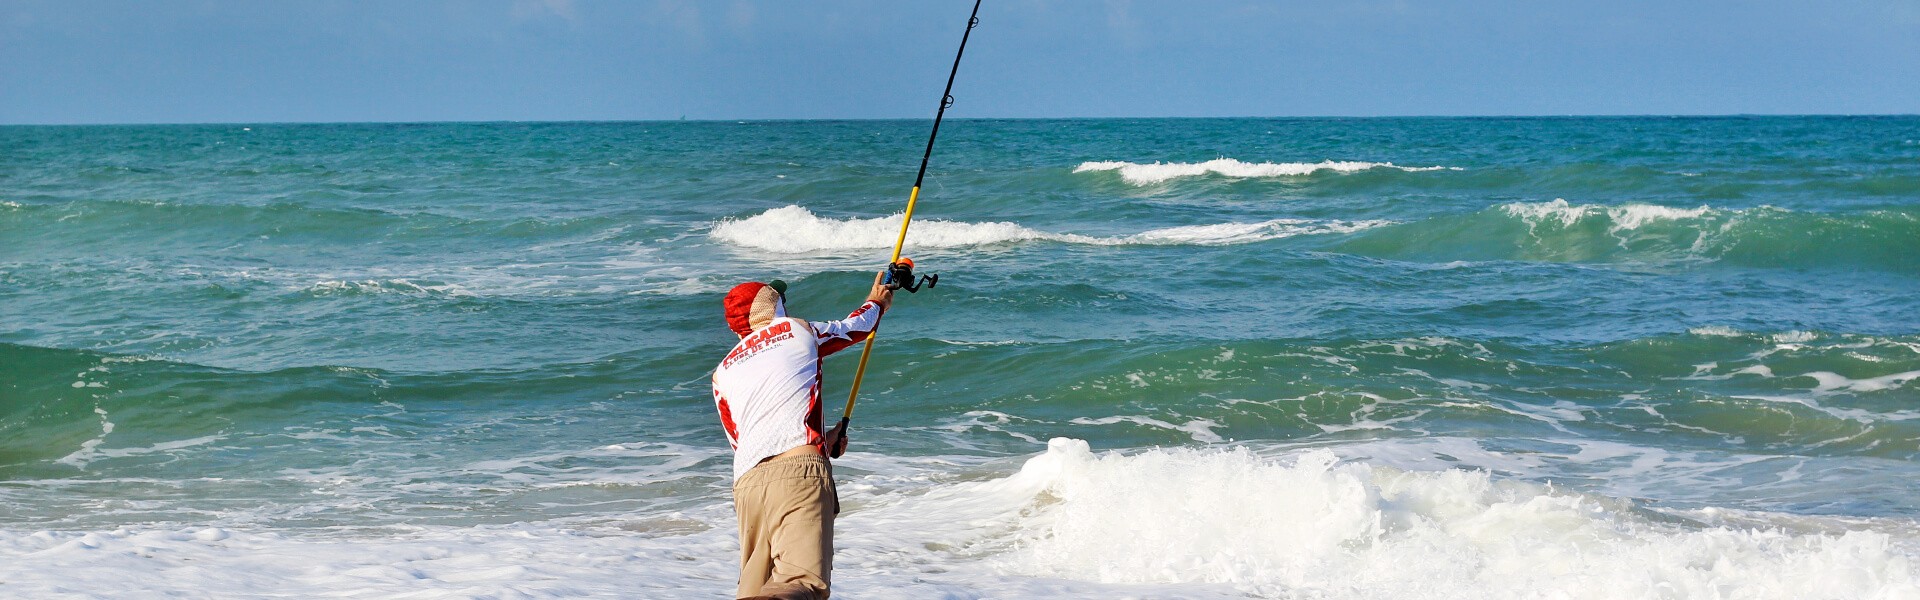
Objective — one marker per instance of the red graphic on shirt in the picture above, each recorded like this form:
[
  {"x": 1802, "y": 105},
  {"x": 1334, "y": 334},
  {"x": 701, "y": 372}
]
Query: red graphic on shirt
[{"x": 779, "y": 332}]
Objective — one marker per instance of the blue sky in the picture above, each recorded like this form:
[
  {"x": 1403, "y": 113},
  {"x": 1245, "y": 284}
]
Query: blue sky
[{"x": 166, "y": 61}]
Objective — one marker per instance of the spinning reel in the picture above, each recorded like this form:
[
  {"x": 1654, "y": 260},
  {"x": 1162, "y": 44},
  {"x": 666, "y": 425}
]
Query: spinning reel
[{"x": 900, "y": 277}]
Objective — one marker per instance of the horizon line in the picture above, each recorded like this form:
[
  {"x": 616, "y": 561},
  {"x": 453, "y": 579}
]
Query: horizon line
[{"x": 878, "y": 119}]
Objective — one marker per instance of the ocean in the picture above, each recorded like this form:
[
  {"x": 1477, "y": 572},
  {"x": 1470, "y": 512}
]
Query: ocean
[{"x": 1166, "y": 358}]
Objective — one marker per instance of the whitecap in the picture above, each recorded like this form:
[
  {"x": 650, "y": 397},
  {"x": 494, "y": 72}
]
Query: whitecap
[
  {"x": 793, "y": 229},
  {"x": 382, "y": 286},
  {"x": 1152, "y": 173},
  {"x": 1315, "y": 526},
  {"x": 1716, "y": 331},
  {"x": 1828, "y": 381},
  {"x": 1201, "y": 430},
  {"x": 1625, "y": 217}
]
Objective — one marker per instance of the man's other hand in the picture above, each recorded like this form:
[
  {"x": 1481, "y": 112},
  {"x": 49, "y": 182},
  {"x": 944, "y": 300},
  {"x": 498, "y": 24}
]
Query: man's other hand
[{"x": 836, "y": 441}]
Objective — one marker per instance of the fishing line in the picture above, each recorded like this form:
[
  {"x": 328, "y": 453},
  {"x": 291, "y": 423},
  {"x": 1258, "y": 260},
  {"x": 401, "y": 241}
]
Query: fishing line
[{"x": 900, "y": 272}]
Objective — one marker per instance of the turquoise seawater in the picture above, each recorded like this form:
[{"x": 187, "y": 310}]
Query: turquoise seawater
[{"x": 355, "y": 333}]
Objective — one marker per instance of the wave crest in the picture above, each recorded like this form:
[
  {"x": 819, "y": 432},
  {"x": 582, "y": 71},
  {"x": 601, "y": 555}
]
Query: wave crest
[
  {"x": 1148, "y": 174},
  {"x": 1316, "y": 525},
  {"x": 794, "y": 229},
  {"x": 1620, "y": 218},
  {"x": 385, "y": 286},
  {"x": 1560, "y": 231}
]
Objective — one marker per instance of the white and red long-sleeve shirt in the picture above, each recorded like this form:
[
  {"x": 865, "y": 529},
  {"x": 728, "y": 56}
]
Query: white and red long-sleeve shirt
[{"x": 768, "y": 387}]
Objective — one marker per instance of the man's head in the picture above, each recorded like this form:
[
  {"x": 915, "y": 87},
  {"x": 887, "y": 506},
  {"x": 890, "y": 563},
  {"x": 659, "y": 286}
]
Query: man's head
[{"x": 752, "y": 305}]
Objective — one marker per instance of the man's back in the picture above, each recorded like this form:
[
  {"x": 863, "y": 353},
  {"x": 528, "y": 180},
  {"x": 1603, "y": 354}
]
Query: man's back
[{"x": 768, "y": 392}]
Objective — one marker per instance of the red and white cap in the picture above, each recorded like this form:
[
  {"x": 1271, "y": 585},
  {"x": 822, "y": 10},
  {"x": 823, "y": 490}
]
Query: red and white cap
[{"x": 753, "y": 302}]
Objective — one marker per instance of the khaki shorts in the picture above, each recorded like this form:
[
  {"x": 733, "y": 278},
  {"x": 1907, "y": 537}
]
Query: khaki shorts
[{"x": 786, "y": 508}]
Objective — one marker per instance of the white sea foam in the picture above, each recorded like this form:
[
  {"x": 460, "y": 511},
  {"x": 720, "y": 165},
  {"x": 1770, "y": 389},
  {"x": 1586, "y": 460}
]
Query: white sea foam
[
  {"x": 1148, "y": 174},
  {"x": 1798, "y": 345},
  {"x": 985, "y": 420},
  {"x": 1716, "y": 331},
  {"x": 382, "y": 286},
  {"x": 627, "y": 271},
  {"x": 1626, "y": 217},
  {"x": 503, "y": 562},
  {"x": 1315, "y": 527},
  {"x": 1200, "y": 429},
  {"x": 1241, "y": 233},
  {"x": 1165, "y": 523},
  {"x": 1858, "y": 415},
  {"x": 1335, "y": 529},
  {"x": 1696, "y": 233},
  {"x": 1834, "y": 382},
  {"x": 794, "y": 229},
  {"x": 1794, "y": 337},
  {"x": 89, "y": 449}
]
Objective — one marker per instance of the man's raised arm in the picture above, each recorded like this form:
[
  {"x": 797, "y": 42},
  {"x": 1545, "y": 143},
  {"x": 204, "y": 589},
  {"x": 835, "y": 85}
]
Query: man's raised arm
[{"x": 835, "y": 336}]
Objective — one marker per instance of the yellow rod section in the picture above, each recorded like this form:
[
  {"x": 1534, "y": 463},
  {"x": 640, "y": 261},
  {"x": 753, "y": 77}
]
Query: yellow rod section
[{"x": 861, "y": 371}]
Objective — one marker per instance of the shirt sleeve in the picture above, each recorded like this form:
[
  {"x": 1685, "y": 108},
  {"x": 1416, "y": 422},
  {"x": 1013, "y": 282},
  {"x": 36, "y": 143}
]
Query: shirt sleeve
[{"x": 834, "y": 336}]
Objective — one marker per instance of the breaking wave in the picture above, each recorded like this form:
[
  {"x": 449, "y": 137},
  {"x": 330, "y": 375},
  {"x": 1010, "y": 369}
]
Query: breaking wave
[
  {"x": 1618, "y": 218},
  {"x": 1148, "y": 174},
  {"x": 794, "y": 229},
  {"x": 1560, "y": 231},
  {"x": 1217, "y": 522},
  {"x": 1313, "y": 525}
]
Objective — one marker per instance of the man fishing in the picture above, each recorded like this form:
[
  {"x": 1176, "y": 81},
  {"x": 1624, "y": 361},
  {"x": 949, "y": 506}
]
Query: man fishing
[{"x": 767, "y": 390}]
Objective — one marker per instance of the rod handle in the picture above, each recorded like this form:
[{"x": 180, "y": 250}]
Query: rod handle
[{"x": 841, "y": 448}]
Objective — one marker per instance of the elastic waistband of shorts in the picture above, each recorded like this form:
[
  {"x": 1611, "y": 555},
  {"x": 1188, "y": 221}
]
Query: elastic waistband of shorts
[{"x": 802, "y": 465}]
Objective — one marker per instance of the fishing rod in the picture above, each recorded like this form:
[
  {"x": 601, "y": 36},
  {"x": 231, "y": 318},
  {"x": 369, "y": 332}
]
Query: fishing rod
[{"x": 899, "y": 274}]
